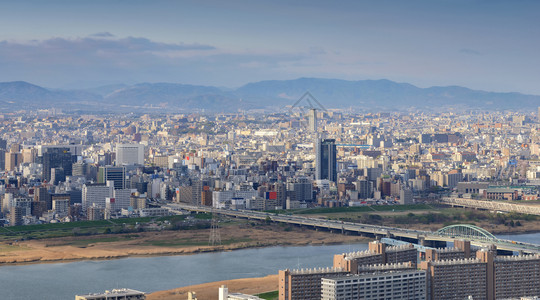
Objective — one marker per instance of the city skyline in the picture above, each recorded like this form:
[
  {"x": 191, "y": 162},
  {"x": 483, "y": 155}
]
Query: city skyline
[{"x": 487, "y": 45}]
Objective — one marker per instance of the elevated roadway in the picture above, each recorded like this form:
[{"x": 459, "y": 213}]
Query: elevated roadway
[
  {"x": 426, "y": 238},
  {"x": 492, "y": 205}
]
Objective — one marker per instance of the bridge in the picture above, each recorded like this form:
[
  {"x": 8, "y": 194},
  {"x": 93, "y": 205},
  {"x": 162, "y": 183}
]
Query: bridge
[
  {"x": 492, "y": 205},
  {"x": 476, "y": 235}
]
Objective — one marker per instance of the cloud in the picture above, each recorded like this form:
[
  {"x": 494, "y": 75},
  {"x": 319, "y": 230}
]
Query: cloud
[
  {"x": 103, "y": 34},
  {"x": 469, "y": 51},
  {"x": 96, "y": 44},
  {"x": 55, "y": 61}
]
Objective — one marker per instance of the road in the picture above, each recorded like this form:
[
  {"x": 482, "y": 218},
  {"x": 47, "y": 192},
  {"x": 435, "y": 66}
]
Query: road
[{"x": 378, "y": 231}]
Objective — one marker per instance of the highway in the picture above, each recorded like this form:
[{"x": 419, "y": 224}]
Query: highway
[
  {"x": 492, "y": 205},
  {"x": 377, "y": 231}
]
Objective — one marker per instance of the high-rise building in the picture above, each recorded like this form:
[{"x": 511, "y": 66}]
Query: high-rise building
[
  {"x": 12, "y": 160},
  {"x": 56, "y": 158},
  {"x": 326, "y": 161},
  {"x": 95, "y": 194},
  {"x": 305, "y": 283},
  {"x": 312, "y": 116},
  {"x": 2, "y": 159},
  {"x": 15, "y": 216},
  {"x": 406, "y": 196},
  {"x": 129, "y": 154},
  {"x": 29, "y": 155},
  {"x": 61, "y": 206},
  {"x": 300, "y": 189},
  {"x": 405, "y": 284},
  {"x": 42, "y": 194},
  {"x": 115, "y": 174}
]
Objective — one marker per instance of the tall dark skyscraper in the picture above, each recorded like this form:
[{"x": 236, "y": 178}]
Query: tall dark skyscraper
[
  {"x": 56, "y": 158},
  {"x": 326, "y": 162},
  {"x": 116, "y": 174}
]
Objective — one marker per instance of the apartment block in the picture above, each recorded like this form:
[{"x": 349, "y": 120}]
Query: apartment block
[
  {"x": 395, "y": 285},
  {"x": 456, "y": 279},
  {"x": 304, "y": 283},
  {"x": 378, "y": 253},
  {"x": 517, "y": 276}
]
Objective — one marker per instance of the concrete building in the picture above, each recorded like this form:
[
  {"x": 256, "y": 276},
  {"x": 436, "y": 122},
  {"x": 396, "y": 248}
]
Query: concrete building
[
  {"x": 304, "y": 283},
  {"x": 378, "y": 253},
  {"x": 456, "y": 279},
  {"x": 116, "y": 294},
  {"x": 516, "y": 276},
  {"x": 61, "y": 207},
  {"x": 129, "y": 154},
  {"x": 12, "y": 160},
  {"x": 94, "y": 212},
  {"x": 223, "y": 294},
  {"x": 96, "y": 194},
  {"x": 406, "y": 196},
  {"x": 395, "y": 285}
]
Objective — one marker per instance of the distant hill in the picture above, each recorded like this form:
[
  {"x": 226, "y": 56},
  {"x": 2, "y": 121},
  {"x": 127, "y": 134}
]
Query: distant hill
[
  {"x": 383, "y": 93},
  {"x": 20, "y": 94},
  {"x": 331, "y": 93}
]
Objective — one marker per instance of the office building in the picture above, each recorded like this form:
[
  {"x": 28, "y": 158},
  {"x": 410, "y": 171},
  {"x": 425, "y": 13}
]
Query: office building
[
  {"x": 56, "y": 158},
  {"x": 300, "y": 189},
  {"x": 95, "y": 194},
  {"x": 326, "y": 162},
  {"x": 129, "y": 154},
  {"x": 12, "y": 160},
  {"x": 42, "y": 194},
  {"x": 406, "y": 196},
  {"x": 61, "y": 207},
  {"x": 94, "y": 213},
  {"x": 115, "y": 174},
  {"x": 312, "y": 116}
]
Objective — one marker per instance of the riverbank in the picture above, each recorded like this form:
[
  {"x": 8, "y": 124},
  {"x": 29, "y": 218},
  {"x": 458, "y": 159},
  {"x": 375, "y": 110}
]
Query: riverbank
[
  {"x": 182, "y": 242},
  {"x": 209, "y": 291}
]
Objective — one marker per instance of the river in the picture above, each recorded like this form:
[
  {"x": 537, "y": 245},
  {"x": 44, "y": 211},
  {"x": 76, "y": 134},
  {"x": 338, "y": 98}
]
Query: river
[{"x": 65, "y": 280}]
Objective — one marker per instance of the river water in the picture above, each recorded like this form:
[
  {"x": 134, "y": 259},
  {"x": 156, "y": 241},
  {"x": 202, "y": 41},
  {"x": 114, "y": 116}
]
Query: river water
[{"x": 65, "y": 280}]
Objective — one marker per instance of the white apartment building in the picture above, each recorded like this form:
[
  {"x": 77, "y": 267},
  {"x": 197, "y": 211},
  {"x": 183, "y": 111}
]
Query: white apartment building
[{"x": 396, "y": 285}]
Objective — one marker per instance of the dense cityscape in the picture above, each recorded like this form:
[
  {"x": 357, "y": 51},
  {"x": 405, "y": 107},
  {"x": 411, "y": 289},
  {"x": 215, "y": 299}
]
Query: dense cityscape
[
  {"x": 276, "y": 150},
  {"x": 70, "y": 168}
]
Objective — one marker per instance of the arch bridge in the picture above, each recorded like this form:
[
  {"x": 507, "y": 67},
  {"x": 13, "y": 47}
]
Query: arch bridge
[{"x": 466, "y": 231}]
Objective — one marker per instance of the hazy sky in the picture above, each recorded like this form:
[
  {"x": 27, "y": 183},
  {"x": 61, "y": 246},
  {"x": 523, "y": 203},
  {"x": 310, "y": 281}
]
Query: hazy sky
[{"x": 489, "y": 44}]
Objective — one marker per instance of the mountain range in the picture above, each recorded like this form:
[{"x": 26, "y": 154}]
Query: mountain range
[{"x": 273, "y": 94}]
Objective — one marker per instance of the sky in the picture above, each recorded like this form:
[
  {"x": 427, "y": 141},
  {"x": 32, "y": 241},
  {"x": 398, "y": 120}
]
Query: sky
[{"x": 489, "y": 45}]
